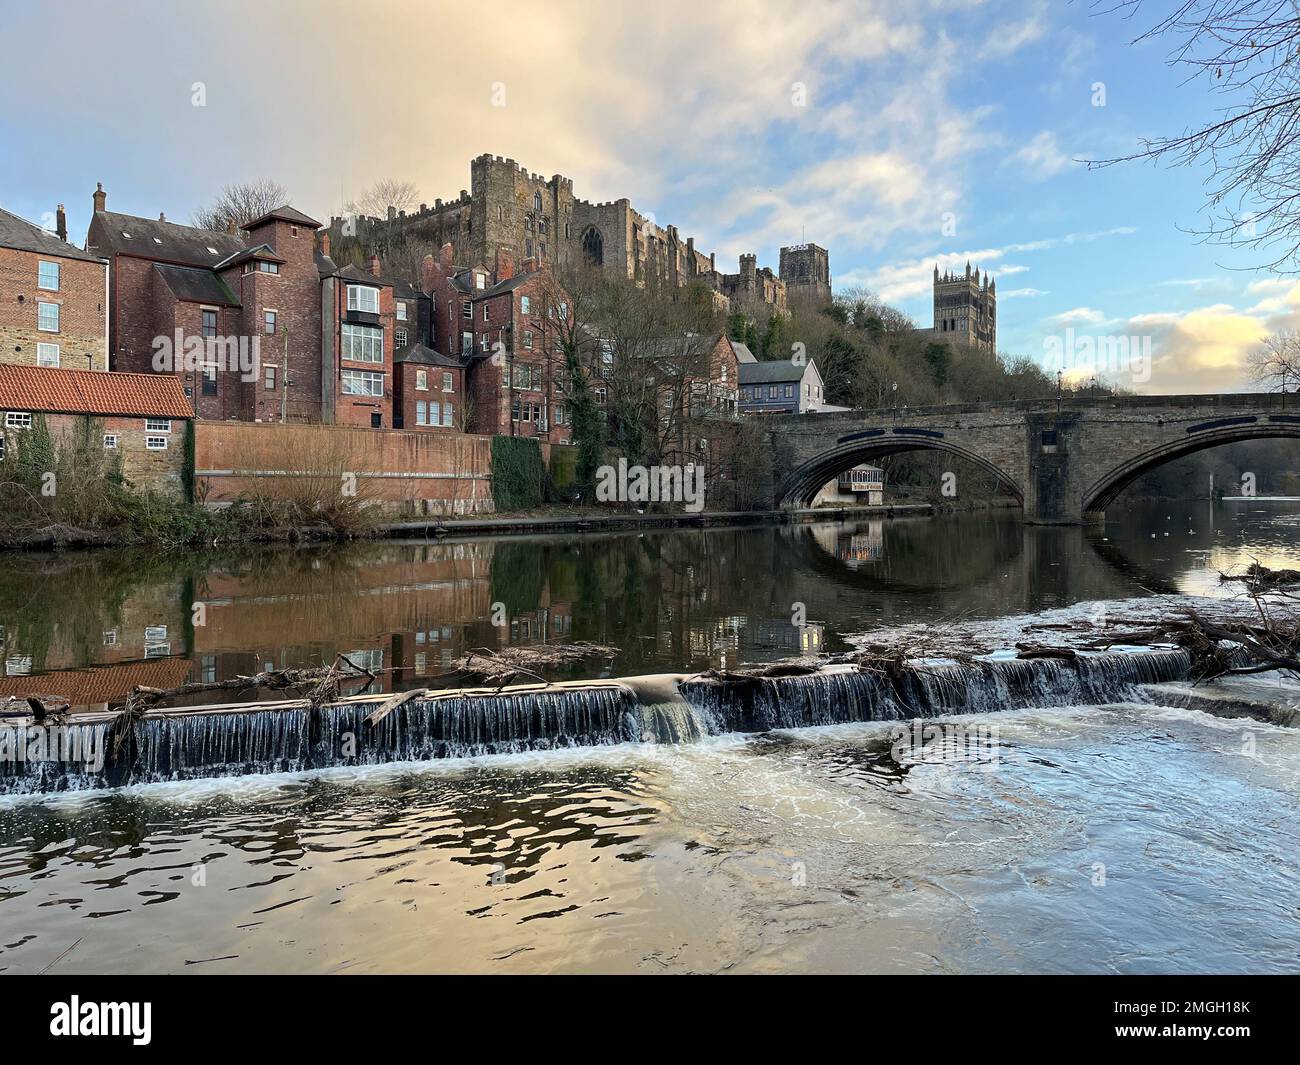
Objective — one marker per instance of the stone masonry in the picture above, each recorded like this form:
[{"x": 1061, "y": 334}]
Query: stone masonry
[{"x": 1064, "y": 461}]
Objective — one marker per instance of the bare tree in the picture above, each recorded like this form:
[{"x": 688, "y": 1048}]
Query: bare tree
[
  {"x": 375, "y": 200},
  {"x": 1248, "y": 51},
  {"x": 241, "y": 203},
  {"x": 1277, "y": 362}
]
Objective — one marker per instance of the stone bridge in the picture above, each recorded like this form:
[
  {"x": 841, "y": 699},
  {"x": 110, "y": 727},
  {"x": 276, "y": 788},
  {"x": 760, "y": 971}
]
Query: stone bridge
[{"x": 1064, "y": 460}]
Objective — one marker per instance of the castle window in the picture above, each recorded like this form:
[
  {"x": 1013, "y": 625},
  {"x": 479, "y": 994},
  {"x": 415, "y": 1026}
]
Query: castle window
[
  {"x": 537, "y": 201},
  {"x": 500, "y": 214},
  {"x": 568, "y": 235},
  {"x": 593, "y": 247}
]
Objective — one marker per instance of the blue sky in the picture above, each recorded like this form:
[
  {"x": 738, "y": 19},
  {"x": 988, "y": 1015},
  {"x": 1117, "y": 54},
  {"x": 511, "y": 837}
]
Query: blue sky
[{"x": 861, "y": 126}]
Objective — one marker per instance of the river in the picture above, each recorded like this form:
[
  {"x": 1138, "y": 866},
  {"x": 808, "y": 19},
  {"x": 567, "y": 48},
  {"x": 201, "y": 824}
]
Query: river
[{"x": 1121, "y": 838}]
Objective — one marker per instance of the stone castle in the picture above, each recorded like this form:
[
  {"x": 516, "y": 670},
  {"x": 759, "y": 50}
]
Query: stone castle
[{"x": 532, "y": 216}]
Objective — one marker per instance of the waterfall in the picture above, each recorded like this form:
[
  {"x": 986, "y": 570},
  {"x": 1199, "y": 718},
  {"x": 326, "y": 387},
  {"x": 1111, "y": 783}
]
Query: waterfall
[{"x": 664, "y": 709}]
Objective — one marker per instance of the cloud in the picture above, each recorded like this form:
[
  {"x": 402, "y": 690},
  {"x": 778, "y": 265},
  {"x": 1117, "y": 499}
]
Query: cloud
[
  {"x": 1041, "y": 157},
  {"x": 1077, "y": 316},
  {"x": 1018, "y": 293},
  {"x": 1009, "y": 37},
  {"x": 895, "y": 282}
]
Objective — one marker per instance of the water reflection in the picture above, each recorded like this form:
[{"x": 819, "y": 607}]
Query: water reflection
[{"x": 674, "y": 600}]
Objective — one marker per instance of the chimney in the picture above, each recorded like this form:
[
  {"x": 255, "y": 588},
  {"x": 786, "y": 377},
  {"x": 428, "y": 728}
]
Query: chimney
[
  {"x": 61, "y": 223},
  {"x": 325, "y": 243},
  {"x": 231, "y": 228},
  {"x": 528, "y": 265},
  {"x": 100, "y": 196},
  {"x": 162, "y": 217},
  {"x": 505, "y": 264},
  {"x": 374, "y": 264},
  {"x": 427, "y": 276},
  {"x": 445, "y": 255}
]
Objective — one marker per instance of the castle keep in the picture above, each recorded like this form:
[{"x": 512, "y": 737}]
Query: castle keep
[{"x": 531, "y": 216}]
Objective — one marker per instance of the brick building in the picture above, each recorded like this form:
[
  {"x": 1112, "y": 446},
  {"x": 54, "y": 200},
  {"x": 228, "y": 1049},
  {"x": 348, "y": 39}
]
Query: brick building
[
  {"x": 427, "y": 390},
  {"x": 280, "y": 333},
  {"x": 53, "y": 298},
  {"x": 143, "y": 419},
  {"x": 503, "y": 326}
]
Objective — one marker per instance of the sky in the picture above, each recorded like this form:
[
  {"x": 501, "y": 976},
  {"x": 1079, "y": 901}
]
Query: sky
[{"x": 900, "y": 134}]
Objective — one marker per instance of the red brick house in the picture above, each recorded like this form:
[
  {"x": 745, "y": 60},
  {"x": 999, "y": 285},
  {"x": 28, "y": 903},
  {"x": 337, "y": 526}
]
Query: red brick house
[
  {"x": 504, "y": 326},
  {"x": 428, "y": 390},
  {"x": 53, "y": 298},
  {"x": 271, "y": 328},
  {"x": 143, "y": 419}
]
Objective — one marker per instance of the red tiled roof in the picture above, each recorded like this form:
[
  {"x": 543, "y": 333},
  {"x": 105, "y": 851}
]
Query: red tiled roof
[
  {"x": 42, "y": 388},
  {"x": 99, "y": 684}
]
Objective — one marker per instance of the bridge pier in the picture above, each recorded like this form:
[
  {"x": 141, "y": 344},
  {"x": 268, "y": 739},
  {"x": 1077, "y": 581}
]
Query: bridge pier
[{"x": 1053, "y": 453}]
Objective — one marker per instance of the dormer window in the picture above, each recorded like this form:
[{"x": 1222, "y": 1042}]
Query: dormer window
[
  {"x": 480, "y": 280},
  {"x": 268, "y": 268},
  {"x": 126, "y": 234},
  {"x": 213, "y": 251}
]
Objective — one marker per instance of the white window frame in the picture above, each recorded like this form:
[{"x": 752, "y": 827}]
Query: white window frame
[
  {"x": 448, "y": 381},
  {"x": 41, "y": 264},
  {"x": 401, "y": 310},
  {"x": 155, "y": 443},
  {"x": 435, "y": 412},
  {"x": 367, "y": 378},
  {"x": 18, "y": 419},
  {"x": 355, "y": 300},
  {"x": 448, "y": 414},
  {"x": 421, "y": 412},
  {"x": 358, "y": 340},
  {"x": 43, "y": 351},
  {"x": 525, "y": 305},
  {"x": 158, "y": 425},
  {"x": 274, "y": 323},
  {"x": 110, "y": 441},
  {"x": 41, "y": 308},
  {"x": 480, "y": 280},
  {"x": 422, "y": 380}
]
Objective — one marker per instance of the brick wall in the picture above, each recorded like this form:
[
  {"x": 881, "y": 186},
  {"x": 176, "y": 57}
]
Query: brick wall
[
  {"x": 407, "y": 472},
  {"x": 82, "y": 326}
]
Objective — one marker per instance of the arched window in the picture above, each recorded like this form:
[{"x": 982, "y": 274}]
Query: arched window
[
  {"x": 537, "y": 201},
  {"x": 593, "y": 247}
]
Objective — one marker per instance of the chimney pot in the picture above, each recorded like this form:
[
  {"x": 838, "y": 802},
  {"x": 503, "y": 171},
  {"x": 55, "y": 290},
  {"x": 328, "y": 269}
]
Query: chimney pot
[
  {"x": 100, "y": 196},
  {"x": 374, "y": 264},
  {"x": 325, "y": 243}
]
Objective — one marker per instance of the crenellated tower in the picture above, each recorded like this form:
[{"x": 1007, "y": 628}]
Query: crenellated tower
[{"x": 965, "y": 308}]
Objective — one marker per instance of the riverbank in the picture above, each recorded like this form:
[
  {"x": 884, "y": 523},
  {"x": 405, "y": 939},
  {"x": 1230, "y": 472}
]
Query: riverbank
[{"x": 594, "y": 520}]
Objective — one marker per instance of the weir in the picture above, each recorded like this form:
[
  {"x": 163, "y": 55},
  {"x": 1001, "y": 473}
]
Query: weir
[{"x": 195, "y": 742}]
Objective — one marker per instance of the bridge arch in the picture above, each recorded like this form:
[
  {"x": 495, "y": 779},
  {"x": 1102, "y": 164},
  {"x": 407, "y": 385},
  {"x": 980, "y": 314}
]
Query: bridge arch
[
  {"x": 798, "y": 487},
  {"x": 1103, "y": 491}
]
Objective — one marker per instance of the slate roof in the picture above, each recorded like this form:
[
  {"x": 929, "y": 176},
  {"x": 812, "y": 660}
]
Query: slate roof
[
  {"x": 22, "y": 235},
  {"x": 152, "y": 239},
  {"x": 284, "y": 213},
  {"x": 764, "y": 373},
  {"x": 421, "y": 355},
  {"x": 141, "y": 395},
  {"x": 261, "y": 251},
  {"x": 193, "y": 285},
  {"x": 743, "y": 354}
]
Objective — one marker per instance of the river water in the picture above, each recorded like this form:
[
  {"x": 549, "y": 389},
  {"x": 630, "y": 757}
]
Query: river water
[{"x": 1123, "y": 838}]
